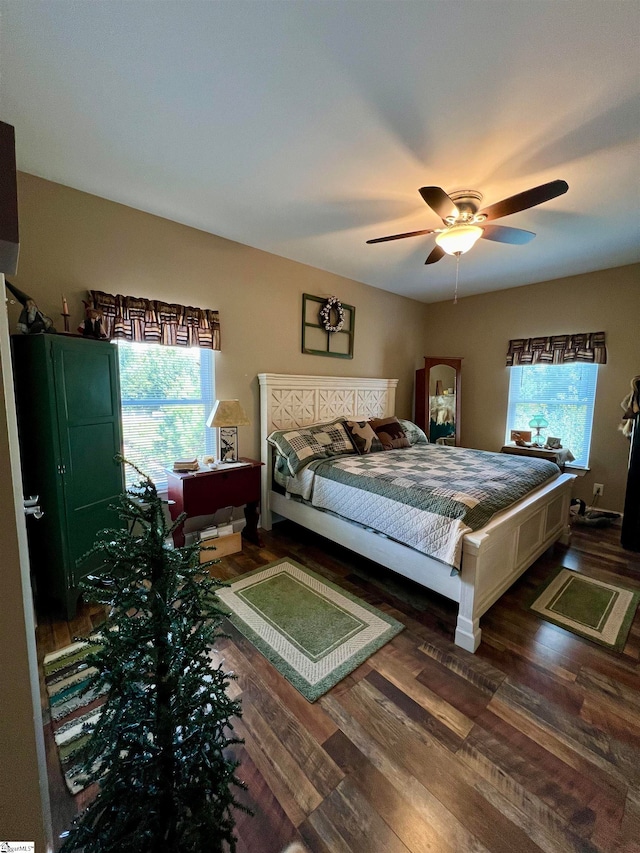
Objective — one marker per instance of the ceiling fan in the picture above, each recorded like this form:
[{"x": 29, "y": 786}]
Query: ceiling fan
[{"x": 464, "y": 223}]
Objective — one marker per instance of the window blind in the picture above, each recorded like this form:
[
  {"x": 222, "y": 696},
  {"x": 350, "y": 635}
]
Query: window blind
[
  {"x": 166, "y": 395},
  {"x": 564, "y": 394}
]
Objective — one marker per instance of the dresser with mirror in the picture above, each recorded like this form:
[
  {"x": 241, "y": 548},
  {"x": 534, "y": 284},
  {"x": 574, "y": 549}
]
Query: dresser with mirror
[{"x": 437, "y": 399}]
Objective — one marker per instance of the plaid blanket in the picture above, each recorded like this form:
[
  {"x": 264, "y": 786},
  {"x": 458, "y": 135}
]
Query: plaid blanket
[{"x": 427, "y": 496}]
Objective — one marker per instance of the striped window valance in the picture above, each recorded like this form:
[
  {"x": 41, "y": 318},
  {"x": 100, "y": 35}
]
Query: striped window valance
[
  {"x": 152, "y": 321},
  {"x": 558, "y": 349}
]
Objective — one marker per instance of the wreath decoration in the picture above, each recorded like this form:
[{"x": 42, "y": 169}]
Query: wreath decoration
[{"x": 332, "y": 304}]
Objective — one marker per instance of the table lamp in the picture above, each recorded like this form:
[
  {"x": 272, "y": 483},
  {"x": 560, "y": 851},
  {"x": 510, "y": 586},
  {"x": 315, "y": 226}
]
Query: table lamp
[
  {"x": 227, "y": 416},
  {"x": 538, "y": 422}
]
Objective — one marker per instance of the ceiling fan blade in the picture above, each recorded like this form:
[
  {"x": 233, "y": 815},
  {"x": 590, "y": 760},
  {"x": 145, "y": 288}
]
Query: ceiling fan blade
[
  {"x": 435, "y": 255},
  {"x": 401, "y": 236},
  {"x": 522, "y": 201},
  {"x": 438, "y": 200},
  {"x": 503, "y": 234}
]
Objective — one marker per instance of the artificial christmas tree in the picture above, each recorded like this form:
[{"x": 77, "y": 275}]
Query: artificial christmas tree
[{"x": 160, "y": 750}]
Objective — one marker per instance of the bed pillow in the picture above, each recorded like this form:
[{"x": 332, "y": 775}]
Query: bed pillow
[
  {"x": 302, "y": 445},
  {"x": 413, "y": 432},
  {"x": 363, "y": 437},
  {"x": 390, "y": 433}
]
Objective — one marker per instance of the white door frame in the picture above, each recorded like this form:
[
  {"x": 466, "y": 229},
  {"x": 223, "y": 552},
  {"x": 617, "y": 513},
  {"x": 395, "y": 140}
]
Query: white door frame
[{"x": 25, "y": 811}]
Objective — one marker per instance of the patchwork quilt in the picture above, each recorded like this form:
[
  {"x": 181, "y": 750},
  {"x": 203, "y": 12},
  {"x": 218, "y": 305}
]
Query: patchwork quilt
[{"x": 427, "y": 496}]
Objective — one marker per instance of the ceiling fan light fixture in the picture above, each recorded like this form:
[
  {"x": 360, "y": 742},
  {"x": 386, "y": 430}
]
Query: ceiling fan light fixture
[{"x": 458, "y": 239}]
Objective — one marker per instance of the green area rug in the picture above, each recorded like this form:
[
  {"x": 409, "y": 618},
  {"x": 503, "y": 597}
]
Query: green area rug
[
  {"x": 312, "y": 631},
  {"x": 74, "y": 708},
  {"x": 601, "y": 612}
]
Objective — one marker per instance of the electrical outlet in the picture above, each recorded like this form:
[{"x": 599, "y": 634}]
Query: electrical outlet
[{"x": 598, "y": 489}]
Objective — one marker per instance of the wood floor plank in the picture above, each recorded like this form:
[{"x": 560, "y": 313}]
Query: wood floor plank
[
  {"x": 618, "y": 722},
  {"x": 474, "y": 669},
  {"x": 602, "y": 750},
  {"x": 543, "y": 825},
  {"x": 628, "y": 838},
  {"x": 616, "y": 667},
  {"x": 357, "y": 822},
  {"x": 494, "y": 635},
  {"x": 386, "y": 663},
  {"x": 454, "y": 689},
  {"x": 416, "y": 711},
  {"x": 559, "y": 692},
  {"x": 268, "y": 824},
  {"x": 320, "y": 827},
  {"x": 432, "y": 765},
  {"x": 418, "y": 835},
  {"x": 619, "y": 695},
  {"x": 296, "y": 801},
  {"x": 556, "y": 745},
  {"x": 314, "y": 843},
  {"x": 419, "y": 797},
  {"x": 590, "y": 811},
  {"x": 304, "y": 757}
]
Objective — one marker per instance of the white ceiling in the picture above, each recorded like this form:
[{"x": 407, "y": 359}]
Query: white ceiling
[{"x": 306, "y": 127}]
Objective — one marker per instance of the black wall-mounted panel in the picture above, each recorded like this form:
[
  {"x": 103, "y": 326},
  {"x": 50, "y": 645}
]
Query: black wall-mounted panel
[{"x": 9, "y": 241}]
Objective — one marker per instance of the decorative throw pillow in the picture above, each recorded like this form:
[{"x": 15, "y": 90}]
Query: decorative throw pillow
[
  {"x": 363, "y": 437},
  {"x": 306, "y": 444},
  {"x": 413, "y": 432},
  {"x": 390, "y": 433}
]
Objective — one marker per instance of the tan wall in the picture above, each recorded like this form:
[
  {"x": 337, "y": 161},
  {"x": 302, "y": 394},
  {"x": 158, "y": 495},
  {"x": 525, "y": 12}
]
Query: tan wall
[
  {"x": 72, "y": 241},
  {"x": 478, "y": 328}
]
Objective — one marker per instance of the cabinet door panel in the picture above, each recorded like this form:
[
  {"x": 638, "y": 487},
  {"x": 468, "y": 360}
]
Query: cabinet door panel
[
  {"x": 88, "y": 383},
  {"x": 90, "y": 436},
  {"x": 95, "y": 475}
]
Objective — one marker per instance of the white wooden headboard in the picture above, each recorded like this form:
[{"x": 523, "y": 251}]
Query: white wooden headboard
[{"x": 288, "y": 401}]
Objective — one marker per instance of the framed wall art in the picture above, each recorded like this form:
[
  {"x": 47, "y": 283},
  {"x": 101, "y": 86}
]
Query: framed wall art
[{"x": 328, "y": 326}]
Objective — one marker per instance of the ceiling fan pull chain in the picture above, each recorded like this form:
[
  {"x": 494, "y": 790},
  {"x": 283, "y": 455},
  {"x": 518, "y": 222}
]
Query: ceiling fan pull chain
[{"x": 455, "y": 295}]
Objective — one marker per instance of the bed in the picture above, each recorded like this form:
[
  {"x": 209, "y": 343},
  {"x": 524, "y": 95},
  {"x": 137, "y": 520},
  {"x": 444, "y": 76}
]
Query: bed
[{"x": 492, "y": 557}]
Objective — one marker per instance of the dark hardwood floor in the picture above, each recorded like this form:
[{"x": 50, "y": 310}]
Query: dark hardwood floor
[{"x": 531, "y": 744}]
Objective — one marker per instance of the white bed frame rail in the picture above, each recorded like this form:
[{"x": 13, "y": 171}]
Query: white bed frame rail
[{"x": 492, "y": 557}]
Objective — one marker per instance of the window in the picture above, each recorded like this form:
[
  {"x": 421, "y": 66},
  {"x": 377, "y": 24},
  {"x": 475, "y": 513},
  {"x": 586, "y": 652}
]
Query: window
[
  {"x": 166, "y": 394},
  {"x": 564, "y": 393}
]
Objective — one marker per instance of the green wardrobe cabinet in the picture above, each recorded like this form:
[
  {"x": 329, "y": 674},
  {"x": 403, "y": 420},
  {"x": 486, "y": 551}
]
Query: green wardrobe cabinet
[{"x": 68, "y": 400}]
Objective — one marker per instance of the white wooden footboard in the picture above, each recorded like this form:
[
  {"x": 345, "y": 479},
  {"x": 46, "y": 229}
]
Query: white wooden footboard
[{"x": 497, "y": 554}]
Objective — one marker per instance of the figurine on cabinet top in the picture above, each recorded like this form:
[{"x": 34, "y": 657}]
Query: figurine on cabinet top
[
  {"x": 92, "y": 326},
  {"x": 32, "y": 321}
]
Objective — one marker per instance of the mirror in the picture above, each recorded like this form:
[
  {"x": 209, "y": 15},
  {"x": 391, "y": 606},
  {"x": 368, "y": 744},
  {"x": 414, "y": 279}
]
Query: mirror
[
  {"x": 438, "y": 399},
  {"x": 442, "y": 402}
]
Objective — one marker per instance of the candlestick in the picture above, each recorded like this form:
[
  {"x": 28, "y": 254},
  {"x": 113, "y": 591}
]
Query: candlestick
[{"x": 65, "y": 313}]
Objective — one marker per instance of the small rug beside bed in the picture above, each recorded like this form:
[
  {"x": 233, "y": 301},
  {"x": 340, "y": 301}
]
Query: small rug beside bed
[
  {"x": 600, "y": 612},
  {"x": 313, "y": 632}
]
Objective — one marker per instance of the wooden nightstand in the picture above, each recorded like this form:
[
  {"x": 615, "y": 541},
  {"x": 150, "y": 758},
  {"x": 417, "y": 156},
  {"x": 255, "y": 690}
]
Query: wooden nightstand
[{"x": 205, "y": 492}]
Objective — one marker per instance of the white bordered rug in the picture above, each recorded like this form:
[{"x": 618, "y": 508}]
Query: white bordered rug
[
  {"x": 600, "y": 611},
  {"x": 312, "y": 631}
]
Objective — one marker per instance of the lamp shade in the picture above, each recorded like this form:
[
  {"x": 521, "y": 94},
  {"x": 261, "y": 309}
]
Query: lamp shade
[
  {"x": 538, "y": 422},
  {"x": 459, "y": 239},
  {"x": 227, "y": 413}
]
